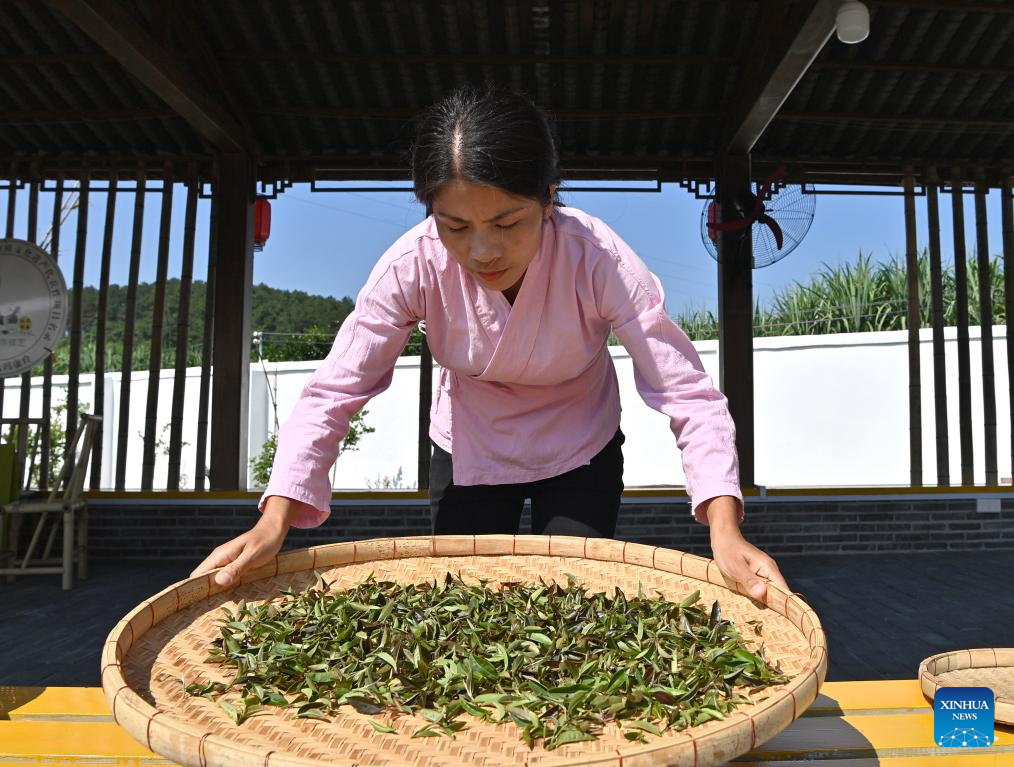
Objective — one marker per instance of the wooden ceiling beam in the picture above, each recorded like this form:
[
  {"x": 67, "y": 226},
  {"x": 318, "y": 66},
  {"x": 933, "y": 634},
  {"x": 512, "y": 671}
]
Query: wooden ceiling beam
[
  {"x": 832, "y": 118},
  {"x": 916, "y": 67},
  {"x": 44, "y": 116},
  {"x": 48, "y": 116},
  {"x": 301, "y": 168},
  {"x": 101, "y": 57},
  {"x": 329, "y": 57},
  {"x": 766, "y": 85},
  {"x": 207, "y": 62},
  {"x": 560, "y": 115},
  {"x": 491, "y": 59},
  {"x": 113, "y": 28},
  {"x": 946, "y": 6}
]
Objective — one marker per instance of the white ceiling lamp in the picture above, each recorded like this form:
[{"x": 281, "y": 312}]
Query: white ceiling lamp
[{"x": 852, "y": 22}]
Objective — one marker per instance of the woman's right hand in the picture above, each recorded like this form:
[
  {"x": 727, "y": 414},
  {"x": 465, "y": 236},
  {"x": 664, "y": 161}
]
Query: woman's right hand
[{"x": 255, "y": 547}]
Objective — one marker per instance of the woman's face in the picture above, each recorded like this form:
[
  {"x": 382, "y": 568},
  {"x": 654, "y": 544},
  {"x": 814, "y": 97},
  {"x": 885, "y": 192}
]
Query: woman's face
[{"x": 493, "y": 234}]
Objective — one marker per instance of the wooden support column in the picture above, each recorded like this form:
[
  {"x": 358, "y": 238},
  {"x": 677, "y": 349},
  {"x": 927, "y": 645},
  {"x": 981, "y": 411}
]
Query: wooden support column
[
  {"x": 914, "y": 367},
  {"x": 12, "y": 200},
  {"x": 76, "y": 314},
  {"x": 985, "y": 329},
  {"x": 939, "y": 355},
  {"x": 100, "y": 332},
  {"x": 123, "y": 427},
  {"x": 735, "y": 310},
  {"x": 1007, "y": 220},
  {"x": 207, "y": 342},
  {"x": 157, "y": 324},
  {"x": 233, "y": 201},
  {"x": 425, "y": 401},
  {"x": 26, "y": 377},
  {"x": 183, "y": 330},
  {"x": 47, "y": 365},
  {"x": 961, "y": 309}
]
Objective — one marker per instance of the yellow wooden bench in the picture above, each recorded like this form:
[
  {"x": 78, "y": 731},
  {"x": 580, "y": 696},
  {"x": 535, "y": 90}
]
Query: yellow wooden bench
[{"x": 851, "y": 724}]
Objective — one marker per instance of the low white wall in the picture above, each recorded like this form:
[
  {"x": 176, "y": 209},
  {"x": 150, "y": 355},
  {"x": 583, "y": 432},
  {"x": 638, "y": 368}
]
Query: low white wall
[
  {"x": 830, "y": 410},
  {"x": 833, "y": 410}
]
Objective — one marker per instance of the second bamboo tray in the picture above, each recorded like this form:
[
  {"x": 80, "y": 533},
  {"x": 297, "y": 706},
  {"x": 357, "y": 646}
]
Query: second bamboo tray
[
  {"x": 166, "y": 638},
  {"x": 991, "y": 667}
]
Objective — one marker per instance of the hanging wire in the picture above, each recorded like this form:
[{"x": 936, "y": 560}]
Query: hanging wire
[{"x": 258, "y": 338}]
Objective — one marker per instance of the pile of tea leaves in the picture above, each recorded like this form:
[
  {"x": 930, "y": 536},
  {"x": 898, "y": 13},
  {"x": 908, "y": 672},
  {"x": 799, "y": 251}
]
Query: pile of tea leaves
[{"x": 558, "y": 661}]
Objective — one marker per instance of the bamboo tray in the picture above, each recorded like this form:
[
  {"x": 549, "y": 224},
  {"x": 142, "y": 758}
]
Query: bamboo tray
[
  {"x": 167, "y": 637},
  {"x": 991, "y": 667}
]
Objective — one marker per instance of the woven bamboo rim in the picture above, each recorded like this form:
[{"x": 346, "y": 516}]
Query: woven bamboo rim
[
  {"x": 146, "y": 651},
  {"x": 991, "y": 667}
]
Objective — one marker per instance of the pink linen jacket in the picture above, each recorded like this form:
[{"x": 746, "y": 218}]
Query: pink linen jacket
[{"x": 526, "y": 391}]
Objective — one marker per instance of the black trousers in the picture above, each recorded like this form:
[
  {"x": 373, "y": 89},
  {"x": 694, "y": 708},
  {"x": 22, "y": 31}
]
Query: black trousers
[{"x": 583, "y": 502}]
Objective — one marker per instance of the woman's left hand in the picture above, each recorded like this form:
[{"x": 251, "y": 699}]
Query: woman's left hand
[
  {"x": 736, "y": 557},
  {"x": 740, "y": 560}
]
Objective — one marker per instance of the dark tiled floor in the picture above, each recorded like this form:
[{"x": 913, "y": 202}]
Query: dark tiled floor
[{"x": 882, "y": 613}]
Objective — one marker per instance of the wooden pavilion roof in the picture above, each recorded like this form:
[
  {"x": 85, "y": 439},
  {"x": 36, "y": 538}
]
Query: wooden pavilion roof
[{"x": 647, "y": 89}]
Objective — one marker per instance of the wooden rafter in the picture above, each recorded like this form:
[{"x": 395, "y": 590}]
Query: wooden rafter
[
  {"x": 885, "y": 119},
  {"x": 767, "y": 85},
  {"x": 112, "y": 27},
  {"x": 947, "y": 6}
]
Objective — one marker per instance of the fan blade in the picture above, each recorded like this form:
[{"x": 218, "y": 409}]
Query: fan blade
[
  {"x": 712, "y": 220},
  {"x": 773, "y": 226},
  {"x": 732, "y": 226},
  {"x": 763, "y": 194}
]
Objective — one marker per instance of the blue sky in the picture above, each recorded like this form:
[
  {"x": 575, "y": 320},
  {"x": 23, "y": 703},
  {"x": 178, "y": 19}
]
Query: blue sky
[
  {"x": 338, "y": 237},
  {"x": 326, "y": 243}
]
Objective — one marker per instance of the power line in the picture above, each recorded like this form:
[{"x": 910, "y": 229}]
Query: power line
[{"x": 389, "y": 222}]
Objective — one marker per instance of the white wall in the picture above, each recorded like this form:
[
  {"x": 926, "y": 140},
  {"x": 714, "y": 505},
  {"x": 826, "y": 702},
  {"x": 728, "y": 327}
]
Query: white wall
[
  {"x": 830, "y": 410},
  {"x": 394, "y": 414},
  {"x": 833, "y": 410}
]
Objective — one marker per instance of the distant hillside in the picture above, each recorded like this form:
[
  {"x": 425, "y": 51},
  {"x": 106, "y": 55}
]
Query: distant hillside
[
  {"x": 864, "y": 296},
  {"x": 296, "y": 317},
  {"x": 277, "y": 311}
]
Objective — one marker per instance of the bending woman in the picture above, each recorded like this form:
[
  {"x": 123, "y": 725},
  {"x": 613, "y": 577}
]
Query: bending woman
[{"x": 518, "y": 296}]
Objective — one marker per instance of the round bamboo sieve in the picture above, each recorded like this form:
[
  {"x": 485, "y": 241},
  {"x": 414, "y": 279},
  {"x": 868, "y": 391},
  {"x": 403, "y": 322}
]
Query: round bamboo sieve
[
  {"x": 166, "y": 638},
  {"x": 991, "y": 667}
]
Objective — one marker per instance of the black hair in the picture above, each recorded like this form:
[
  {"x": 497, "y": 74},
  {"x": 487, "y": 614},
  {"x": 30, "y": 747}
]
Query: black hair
[{"x": 490, "y": 136}]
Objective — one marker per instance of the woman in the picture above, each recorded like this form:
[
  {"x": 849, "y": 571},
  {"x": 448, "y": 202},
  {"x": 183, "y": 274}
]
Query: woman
[{"x": 518, "y": 296}]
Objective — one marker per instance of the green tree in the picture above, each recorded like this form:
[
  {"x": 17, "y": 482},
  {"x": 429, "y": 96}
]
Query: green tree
[
  {"x": 261, "y": 463},
  {"x": 281, "y": 312}
]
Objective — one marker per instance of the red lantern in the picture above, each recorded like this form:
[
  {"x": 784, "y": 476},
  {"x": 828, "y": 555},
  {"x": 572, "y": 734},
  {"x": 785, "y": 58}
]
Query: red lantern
[{"x": 262, "y": 222}]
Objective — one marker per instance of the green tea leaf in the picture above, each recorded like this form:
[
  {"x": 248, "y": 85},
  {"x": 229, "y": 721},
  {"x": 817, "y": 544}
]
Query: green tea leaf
[
  {"x": 569, "y": 735},
  {"x": 644, "y": 725},
  {"x": 230, "y": 710},
  {"x": 558, "y": 661},
  {"x": 311, "y": 713}
]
